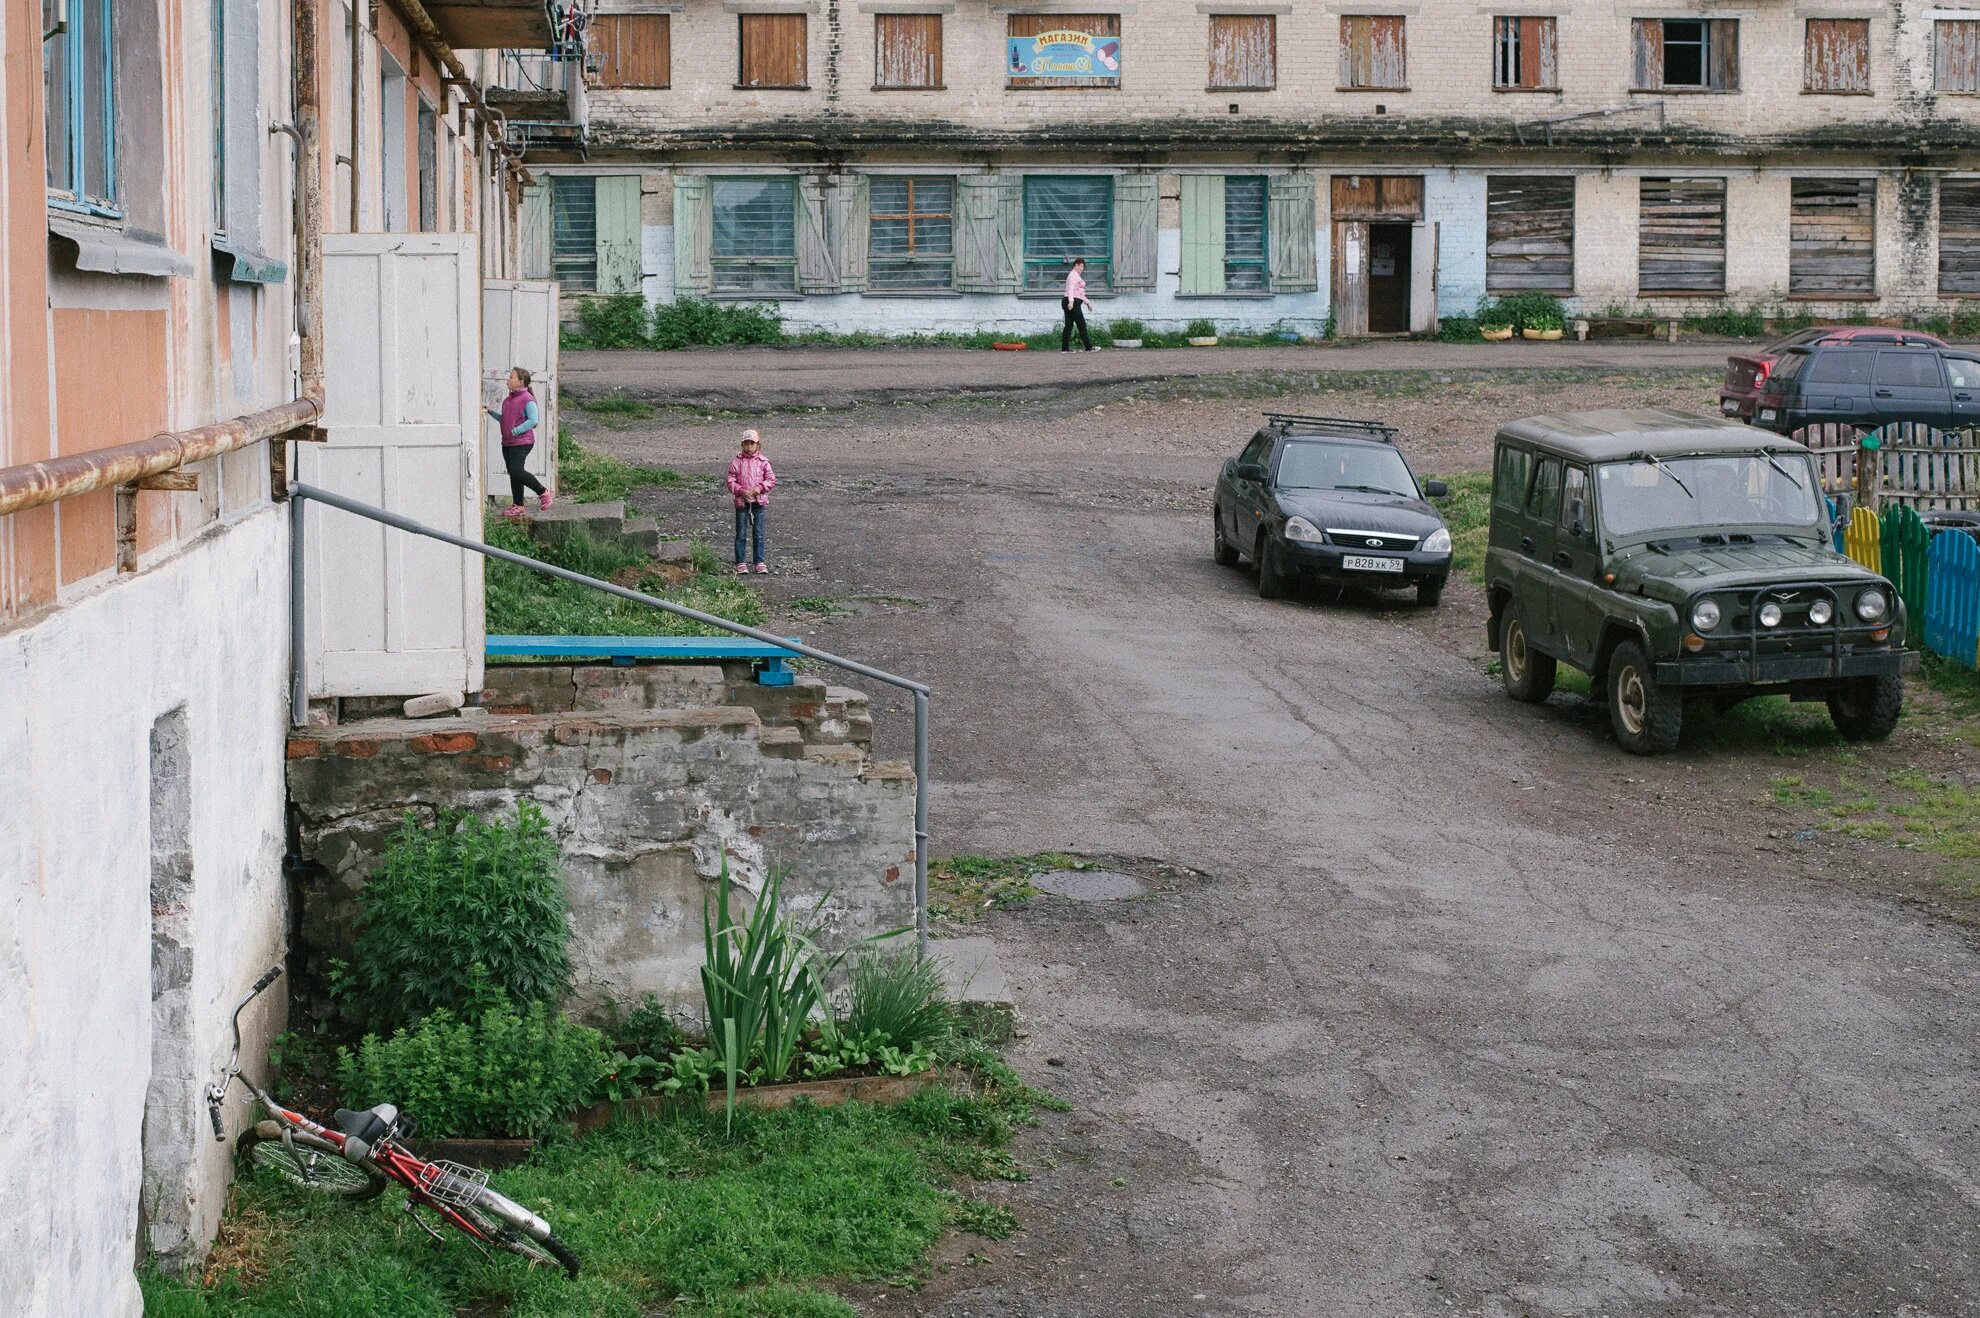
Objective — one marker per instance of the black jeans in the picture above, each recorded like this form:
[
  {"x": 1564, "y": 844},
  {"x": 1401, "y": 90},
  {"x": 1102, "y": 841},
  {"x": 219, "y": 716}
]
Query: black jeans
[
  {"x": 1075, "y": 315},
  {"x": 513, "y": 457},
  {"x": 749, "y": 525}
]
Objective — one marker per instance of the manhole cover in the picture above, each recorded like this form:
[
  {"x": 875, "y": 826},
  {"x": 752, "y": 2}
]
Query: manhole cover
[{"x": 1090, "y": 885}]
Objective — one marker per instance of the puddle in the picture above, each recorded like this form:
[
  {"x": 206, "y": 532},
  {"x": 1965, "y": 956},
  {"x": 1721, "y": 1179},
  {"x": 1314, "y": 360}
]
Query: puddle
[{"x": 1090, "y": 885}]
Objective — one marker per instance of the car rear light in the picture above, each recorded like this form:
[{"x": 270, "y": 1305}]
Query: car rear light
[{"x": 1765, "y": 369}]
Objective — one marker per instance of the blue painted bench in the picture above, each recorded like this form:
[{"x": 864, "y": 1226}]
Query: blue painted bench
[{"x": 625, "y": 651}]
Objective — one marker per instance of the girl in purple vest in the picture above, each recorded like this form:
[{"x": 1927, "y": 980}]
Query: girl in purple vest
[{"x": 519, "y": 416}]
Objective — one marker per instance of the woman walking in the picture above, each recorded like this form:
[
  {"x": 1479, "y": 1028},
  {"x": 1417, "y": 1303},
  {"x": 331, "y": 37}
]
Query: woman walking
[
  {"x": 751, "y": 479},
  {"x": 519, "y": 417},
  {"x": 1076, "y": 306}
]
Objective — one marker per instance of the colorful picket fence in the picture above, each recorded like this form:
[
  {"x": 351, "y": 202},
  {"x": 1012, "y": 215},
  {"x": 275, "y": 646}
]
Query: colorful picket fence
[
  {"x": 1904, "y": 537},
  {"x": 1952, "y": 598},
  {"x": 1863, "y": 539}
]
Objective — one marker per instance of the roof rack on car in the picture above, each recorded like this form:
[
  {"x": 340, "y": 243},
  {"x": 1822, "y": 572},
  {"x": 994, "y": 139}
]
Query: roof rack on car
[{"x": 1381, "y": 430}]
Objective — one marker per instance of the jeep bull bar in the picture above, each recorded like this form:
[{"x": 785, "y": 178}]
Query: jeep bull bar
[{"x": 1785, "y": 653}]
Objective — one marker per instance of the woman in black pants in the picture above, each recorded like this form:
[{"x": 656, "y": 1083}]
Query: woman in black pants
[
  {"x": 519, "y": 418},
  {"x": 1076, "y": 306}
]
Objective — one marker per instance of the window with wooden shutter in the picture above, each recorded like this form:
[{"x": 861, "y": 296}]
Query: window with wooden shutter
[
  {"x": 1959, "y": 238},
  {"x": 907, "y": 51},
  {"x": 772, "y": 51},
  {"x": 1244, "y": 235},
  {"x": 1523, "y": 55},
  {"x": 1244, "y": 52},
  {"x": 753, "y": 234},
  {"x": 911, "y": 233},
  {"x": 1956, "y": 55},
  {"x": 1832, "y": 237},
  {"x": 634, "y": 50},
  {"x": 1373, "y": 54},
  {"x": 1093, "y": 25},
  {"x": 1067, "y": 218},
  {"x": 1686, "y": 54},
  {"x": 1838, "y": 56},
  {"x": 1681, "y": 235},
  {"x": 574, "y": 233},
  {"x": 1529, "y": 235}
]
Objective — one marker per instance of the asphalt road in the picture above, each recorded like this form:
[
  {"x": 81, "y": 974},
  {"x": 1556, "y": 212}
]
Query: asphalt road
[{"x": 1470, "y": 1013}]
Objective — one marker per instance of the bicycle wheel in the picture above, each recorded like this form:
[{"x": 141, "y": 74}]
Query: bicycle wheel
[
  {"x": 548, "y": 1250},
  {"x": 314, "y": 1164}
]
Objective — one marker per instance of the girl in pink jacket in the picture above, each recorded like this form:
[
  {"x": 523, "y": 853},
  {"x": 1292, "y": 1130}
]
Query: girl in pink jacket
[{"x": 750, "y": 480}]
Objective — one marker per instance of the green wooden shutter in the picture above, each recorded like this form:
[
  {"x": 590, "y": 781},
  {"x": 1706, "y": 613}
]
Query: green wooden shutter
[
  {"x": 1134, "y": 233},
  {"x": 853, "y": 200},
  {"x": 1290, "y": 227},
  {"x": 618, "y": 233},
  {"x": 817, "y": 249},
  {"x": 985, "y": 240},
  {"x": 1009, "y": 232},
  {"x": 694, "y": 271},
  {"x": 1202, "y": 234},
  {"x": 533, "y": 232}
]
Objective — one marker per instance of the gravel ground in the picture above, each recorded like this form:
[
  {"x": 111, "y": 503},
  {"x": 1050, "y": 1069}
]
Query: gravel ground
[{"x": 1471, "y": 1013}]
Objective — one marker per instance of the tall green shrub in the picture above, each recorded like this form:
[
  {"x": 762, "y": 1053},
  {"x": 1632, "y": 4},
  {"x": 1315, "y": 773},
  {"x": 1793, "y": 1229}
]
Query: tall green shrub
[
  {"x": 448, "y": 898},
  {"x": 618, "y": 321},
  {"x": 691, "y": 322},
  {"x": 899, "y": 996}
]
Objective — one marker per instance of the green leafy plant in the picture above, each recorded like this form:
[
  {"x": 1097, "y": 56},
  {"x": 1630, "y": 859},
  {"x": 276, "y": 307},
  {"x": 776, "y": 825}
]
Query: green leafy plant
[
  {"x": 624, "y": 1078},
  {"x": 699, "y": 322},
  {"x": 1730, "y": 322},
  {"x": 618, "y": 321},
  {"x": 1494, "y": 315},
  {"x": 1201, "y": 329},
  {"x": 897, "y": 996},
  {"x": 487, "y": 1072},
  {"x": 689, "y": 1071},
  {"x": 1527, "y": 311},
  {"x": 1457, "y": 329},
  {"x": 1127, "y": 327},
  {"x": 453, "y": 906},
  {"x": 833, "y": 1051},
  {"x": 647, "y": 1028},
  {"x": 904, "y": 1061}
]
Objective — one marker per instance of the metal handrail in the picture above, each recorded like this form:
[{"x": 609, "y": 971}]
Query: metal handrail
[{"x": 301, "y": 493}]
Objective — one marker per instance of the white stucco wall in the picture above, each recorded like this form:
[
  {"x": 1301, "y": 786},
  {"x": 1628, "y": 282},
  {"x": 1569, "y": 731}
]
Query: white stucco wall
[
  {"x": 1454, "y": 201},
  {"x": 203, "y": 630}
]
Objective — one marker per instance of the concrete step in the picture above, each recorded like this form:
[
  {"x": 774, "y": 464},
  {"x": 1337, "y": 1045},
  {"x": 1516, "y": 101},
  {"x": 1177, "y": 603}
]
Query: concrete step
[
  {"x": 561, "y": 688},
  {"x": 601, "y": 521},
  {"x": 974, "y": 979},
  {"x": 642, "y": 533}
]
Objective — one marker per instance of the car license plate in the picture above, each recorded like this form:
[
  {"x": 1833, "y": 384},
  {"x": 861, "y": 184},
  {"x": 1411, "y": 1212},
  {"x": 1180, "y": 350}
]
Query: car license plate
[
  {"x": 1364, "y": 563},
  {"x": 1729, "y": 405},
  {"x": 1768, "y": 414}
]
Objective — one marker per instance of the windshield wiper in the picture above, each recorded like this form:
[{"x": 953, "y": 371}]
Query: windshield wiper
[
  {"x": 1783, "y": 470},
  {"x": 1660, "y": 465},
  {"x": 1368, "y": 489}
]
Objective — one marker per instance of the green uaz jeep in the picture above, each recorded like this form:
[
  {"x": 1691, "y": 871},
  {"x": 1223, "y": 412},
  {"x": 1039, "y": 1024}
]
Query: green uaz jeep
[{"x": 1680, "y": 560}]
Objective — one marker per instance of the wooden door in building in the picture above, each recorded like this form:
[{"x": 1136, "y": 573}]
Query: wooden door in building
[
  {"x": 1388, "y": 278},
  {"x": 389, "y": 613},
  {"x": 1368, "y": 211},
  {"x": 519, "y": 328}
]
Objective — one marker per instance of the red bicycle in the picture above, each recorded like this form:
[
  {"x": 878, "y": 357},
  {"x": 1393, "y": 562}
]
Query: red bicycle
[{"x": 359, "y": 1158}]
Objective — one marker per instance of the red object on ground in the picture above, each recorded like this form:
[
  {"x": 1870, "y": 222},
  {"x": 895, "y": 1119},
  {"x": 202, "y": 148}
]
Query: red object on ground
[
  {"x": 1010, "y": 347},
  {"x": 1747, "y": 372}
]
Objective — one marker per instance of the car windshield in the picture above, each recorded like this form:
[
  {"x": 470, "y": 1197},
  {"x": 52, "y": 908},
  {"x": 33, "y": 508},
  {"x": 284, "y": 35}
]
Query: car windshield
[
  {"x": 1682, "y": 494},
  {"x": 1319, "y": 465}
]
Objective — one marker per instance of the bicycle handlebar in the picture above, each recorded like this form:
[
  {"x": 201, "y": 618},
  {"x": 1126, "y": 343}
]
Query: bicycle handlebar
[
  {"x": 274, "y": 973},
  {"x": 213, "y": 1111}
]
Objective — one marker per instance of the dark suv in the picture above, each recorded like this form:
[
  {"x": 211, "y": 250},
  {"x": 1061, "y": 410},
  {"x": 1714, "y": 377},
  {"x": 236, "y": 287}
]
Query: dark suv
[
  {"x": 1682, "y": 563},
  {"x": 1333, "y": 500},
  {"x": 1864, "y": 386},
  {"x": 1747, "y": 372}
]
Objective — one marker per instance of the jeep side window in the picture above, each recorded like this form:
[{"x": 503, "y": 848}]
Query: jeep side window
[
  {"x": 1844, "y": 366},
  {"x": 1909, "y": 369},
  {"x": 1544, "y": 504},
  {"x": 1509, "y": 482},
  {"x": 1573, "y": 490}
]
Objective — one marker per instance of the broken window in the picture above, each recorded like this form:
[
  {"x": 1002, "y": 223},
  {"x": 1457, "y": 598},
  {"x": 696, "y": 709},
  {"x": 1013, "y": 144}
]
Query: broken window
[
  {"x": 1956, "y": 55},
  {"x": 1832, "y": 237},
  {"x": 1838, "y": 56},
  {"x": 1523, "y": 54},
  {"x": 1679, "y": 54},
  {"x": 1529, "y": 235},
  {"x": 1373, "y": 55},
  {"x": 634, "y": 50},
  {"x": 772, "y": 51},
  {"x": 907, "y": 51},
  {"x": 1959, "y": 238},
  {"x": 1244, "y": 52},
  {"x": 1681, "y": 238},
  {"x": 1102, "y": 52},
  {"x": 1066, "y": 218},
  {"x": 911, "y": 233},
  {"x": 753, "y": 232}
]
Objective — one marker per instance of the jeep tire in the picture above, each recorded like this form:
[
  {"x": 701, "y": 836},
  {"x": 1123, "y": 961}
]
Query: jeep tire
[
  {"x": 1222, "y": 551},
  {"x": 1271, "y": 580},
  {"x": 1867, "y": 708},
  {"x": 1528, "y": 675},
  {"x": 1647, "y": 717}
]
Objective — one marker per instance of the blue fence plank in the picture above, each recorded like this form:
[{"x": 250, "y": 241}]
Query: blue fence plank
[{"x": 1952, "y": 598}]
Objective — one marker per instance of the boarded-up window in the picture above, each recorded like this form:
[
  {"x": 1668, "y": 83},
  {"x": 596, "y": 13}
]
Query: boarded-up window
[
  {"x": 1838, "y": 58},
  {"x": 912, "y": 233},
  {"x": 1244, "y": 52},
  {"x": 1700, "y": 54},
  {"x": 1956, "y": 55},
  {"x": 1681, "y": 236},
  {"x": 634, "y": 50},
  {"x": 907, "y": 51},
  {"x": 1372, "y": 52},
  {"x": 1832, "y": 247},
  {"x": 1378, "y": 197},
  {"x": 1529, "y": 235},
  {"x": 773, "y": 50},
  {"x": 1093, "y": 25},
  {"x": 1523, "y": 54},
  {"x": 1959, "y": 238}
]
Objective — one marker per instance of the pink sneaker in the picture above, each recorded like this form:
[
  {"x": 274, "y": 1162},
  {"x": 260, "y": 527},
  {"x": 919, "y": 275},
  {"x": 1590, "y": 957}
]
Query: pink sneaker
[
  {"x": 513, "y": 510},
  {"x": 543, "y": 503},
  {"x": 742, "y": 569},
  {"x": 762, "y": 567}
]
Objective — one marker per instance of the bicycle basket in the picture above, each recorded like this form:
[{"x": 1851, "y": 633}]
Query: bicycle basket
[{"x": 451, "y": 1183}]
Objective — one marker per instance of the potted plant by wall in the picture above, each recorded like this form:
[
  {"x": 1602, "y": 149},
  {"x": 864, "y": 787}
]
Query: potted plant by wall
[
  {"x": 1494, "y": 322},
  {"x": 1126, "y": 332},
  {"x": 1201, "y": 334},
  {"x": 1543, "y": 327}
]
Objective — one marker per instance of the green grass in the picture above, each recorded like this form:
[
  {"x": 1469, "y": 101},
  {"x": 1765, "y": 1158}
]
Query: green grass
[
  {"x": 531, "y": 604},
  {"x": 588, "y": 476},
  {"x": 1467, "y": 511},
  {"x": 962, "y": 888},
  {"x": 660, "y": 1210},
  {"x": 615, "y": 404}
]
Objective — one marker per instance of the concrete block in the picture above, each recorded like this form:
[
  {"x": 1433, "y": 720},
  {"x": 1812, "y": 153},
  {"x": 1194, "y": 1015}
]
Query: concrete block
[
  {"x": 601, "y": 521},
  {"x": 440, "y": 702},
  {"x": 782, "y": 743}
]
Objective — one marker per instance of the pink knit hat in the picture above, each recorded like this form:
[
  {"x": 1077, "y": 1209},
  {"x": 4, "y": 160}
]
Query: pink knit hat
[{"x": 751, "y": 437}]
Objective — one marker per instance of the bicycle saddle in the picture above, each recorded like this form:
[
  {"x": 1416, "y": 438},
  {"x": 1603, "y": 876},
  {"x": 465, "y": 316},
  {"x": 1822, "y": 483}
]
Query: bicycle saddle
[{"x": 363, "y": 1130}]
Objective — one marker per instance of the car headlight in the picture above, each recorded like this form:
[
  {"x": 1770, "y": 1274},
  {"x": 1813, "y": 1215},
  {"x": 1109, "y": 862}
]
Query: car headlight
[
  {"x": 1298, "y": 528},
  {"x": 1871, "y": 605},
  {"x": 1770, "y": 614},
  {"x": 1439, "y": 541},
  {"x": 1704, "y": 616},
  {"x": 1820, "y": 612}
]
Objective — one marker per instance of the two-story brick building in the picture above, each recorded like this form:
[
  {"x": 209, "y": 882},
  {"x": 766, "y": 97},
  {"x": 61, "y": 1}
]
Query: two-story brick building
[{"x": 910, "y": 165}]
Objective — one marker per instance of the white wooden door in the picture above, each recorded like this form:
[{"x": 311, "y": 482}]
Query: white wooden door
[
  {"x": 519, "y": 328},
  {"x": 1424, "y": 241},
  {"x": 391, "y": 613}
]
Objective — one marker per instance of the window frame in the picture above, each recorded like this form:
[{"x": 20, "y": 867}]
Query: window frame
[
  {"x": 1714, "y": 34},
  {"x": 75, "y": 197},
  {"x": 1506, "y": 26},
  {"x": 218, "y": 40},
  {"x": 1970, "y": 28},
  {"x": 717, "y": 263},
  {"x": 876, "y": 260},
  {"x": 1271, "y": 22},
  {"x": 743, "y": 25},
  {"x": 1808, "y": 86},
  {"x": 1347, "y": 72},
  {"x": 1104, "y": 260},
  {"x": 1509, "y": 490},
  {"x": 586, "y": 282},
  {"x": 941, "y": 43},
  {"x": 1263, "y": 264}
]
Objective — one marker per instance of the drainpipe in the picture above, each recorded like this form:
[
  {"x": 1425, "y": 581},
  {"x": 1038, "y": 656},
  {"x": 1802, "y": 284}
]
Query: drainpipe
[{"x": 361, "y": 19}]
